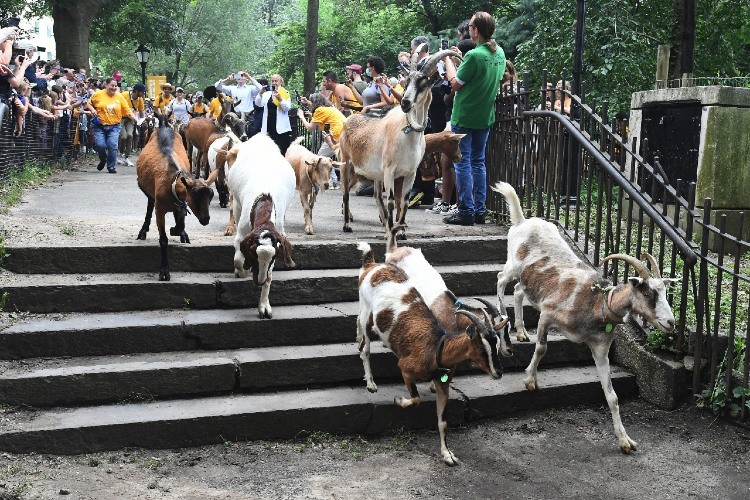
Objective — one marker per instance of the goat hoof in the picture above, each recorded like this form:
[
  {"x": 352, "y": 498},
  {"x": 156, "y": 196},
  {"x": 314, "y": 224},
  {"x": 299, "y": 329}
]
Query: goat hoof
[
  {"x": 449, "y": 458},
  {"x": 401, "y": 236},
  {"x": 141, "y": 235},
  {"x": 372, "y": 388},
  {"x": 265, "y": 313},
  {"x": 347, "y": 229},
  {"x": 530, "y": 384},
  {"x": 174, "y": 232},
  {"x": 164, "y": 276},
  {"x": 184, "y": 238},
  {"x": 522, "y": 337},
  {"x": 627, "y": 445},
  {"x": 229, "y": 231},
  {"x": 308, "y": 230}
]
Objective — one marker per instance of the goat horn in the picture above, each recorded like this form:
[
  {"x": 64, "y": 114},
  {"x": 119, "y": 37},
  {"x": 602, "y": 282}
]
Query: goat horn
[
  {"x": 414, "y": 57},
  {"x": 637, "y": 264},
  {"x": 431, "y": 65},
  {"x": 654, "y": 268},
  {"x": 473, "y": 317},
  {"x": 490, "y": 306},
  {"x": 451, "y": 296}
]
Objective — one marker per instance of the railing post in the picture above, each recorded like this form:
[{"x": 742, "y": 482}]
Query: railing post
[{"x": 701, "y": 299}]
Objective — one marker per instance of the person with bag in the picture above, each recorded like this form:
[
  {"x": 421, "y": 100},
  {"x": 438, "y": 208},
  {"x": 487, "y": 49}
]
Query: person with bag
[{"x": 108, "y": 107}]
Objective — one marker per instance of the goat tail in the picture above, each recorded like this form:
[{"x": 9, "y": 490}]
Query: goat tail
[
  {"x": 368, "y": 258},
  {"x": 514, "y": 204}
]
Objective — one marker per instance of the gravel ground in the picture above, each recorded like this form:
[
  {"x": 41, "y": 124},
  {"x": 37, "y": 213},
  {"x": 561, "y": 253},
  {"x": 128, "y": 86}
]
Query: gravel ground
[{"x": 560, "y": 454}]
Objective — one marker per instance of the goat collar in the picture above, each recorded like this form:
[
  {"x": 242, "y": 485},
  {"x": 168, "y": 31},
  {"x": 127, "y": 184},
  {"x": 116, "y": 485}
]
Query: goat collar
[
  {"x": 411, "y": 127},
  {"x": 442, "y": 373},
  {"x": 181, "y": 204},
  {"x": 609, "y": 317}
]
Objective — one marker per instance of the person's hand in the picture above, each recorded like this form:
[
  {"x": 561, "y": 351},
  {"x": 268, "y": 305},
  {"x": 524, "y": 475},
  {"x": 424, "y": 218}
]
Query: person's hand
[
  {"x": 4, "y": 70},
  {"x": 276, "y": 95},
  {"x": 300, "y": 114},
  {"x": 365, "y": 109}
]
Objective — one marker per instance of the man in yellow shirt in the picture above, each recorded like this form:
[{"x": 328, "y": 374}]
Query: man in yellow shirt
[
  {"x": 135, "y": 101},
  {"x": 163, "y": 99},
  {"x": 108, "y": 107}
]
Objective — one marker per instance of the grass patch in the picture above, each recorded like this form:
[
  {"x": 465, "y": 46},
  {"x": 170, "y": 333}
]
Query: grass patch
[
  {"x": 68, "y": 229},
  {"x": 31, "y": 174},
  {"x": 358, "y": 446}
]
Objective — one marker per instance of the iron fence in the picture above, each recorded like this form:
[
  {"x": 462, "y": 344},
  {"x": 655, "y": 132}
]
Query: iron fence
[
  {"x": 581, "y": 171},
  {"x": 41, "y": 142}
]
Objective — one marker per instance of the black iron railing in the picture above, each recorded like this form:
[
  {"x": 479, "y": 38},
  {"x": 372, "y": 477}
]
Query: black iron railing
[{"x": 580, "y": 170}]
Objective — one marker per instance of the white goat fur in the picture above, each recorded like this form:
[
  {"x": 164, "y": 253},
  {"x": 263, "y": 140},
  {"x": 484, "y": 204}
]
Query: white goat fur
[
  {"x": 259, "y": 168},
  {"x": 568, "y": 294}
]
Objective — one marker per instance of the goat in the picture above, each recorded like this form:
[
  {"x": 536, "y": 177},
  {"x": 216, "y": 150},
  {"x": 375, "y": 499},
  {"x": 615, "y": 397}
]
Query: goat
[
  {"x": 388, "y": 150},
  {"x": 313, "y": 173},
  {"x": 262, "y": 185},
  {"x": 149, "y": 125},
  {"x": 392, "y": 309},
  {"x": 441, "y": 301},
  {"x": 169, "y": 187},
  {"x": 201, "y": 132},
  {"x": 445, "y": 142},
  {"x": 572, "y": 297}
]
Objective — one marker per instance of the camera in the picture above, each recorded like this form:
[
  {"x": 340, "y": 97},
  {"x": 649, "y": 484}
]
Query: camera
[
  {"x": 268, "y": 87},
  {"x": 298, "y": 97},
  {"x": 443, "y": 44},
  {"x": 273, "y": 87}
]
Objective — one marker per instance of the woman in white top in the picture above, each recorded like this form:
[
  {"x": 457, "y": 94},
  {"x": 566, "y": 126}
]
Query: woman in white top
[
  {"x": 180, "y": 107},
  {"x": 276, "y": 103}
]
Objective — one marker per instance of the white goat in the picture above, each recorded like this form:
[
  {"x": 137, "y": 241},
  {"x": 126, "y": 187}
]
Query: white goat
[
  {"x": 388, "y": 150},
  {"x": 395, "y": 311},
  {"x": 572, "y": 297},
  {"x": 262, "y": 184}
]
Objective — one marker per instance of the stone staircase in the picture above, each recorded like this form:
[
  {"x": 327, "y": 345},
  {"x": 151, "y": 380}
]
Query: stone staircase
[{"x": 113, "y": 358}]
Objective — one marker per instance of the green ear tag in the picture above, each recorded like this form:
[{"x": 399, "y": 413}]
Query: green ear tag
[
  {"x": 609, "y": 327},
  {"x": 444, "y": 378}
]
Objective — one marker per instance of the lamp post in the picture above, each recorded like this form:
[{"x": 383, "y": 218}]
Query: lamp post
[{"x": 142, "y": 53}]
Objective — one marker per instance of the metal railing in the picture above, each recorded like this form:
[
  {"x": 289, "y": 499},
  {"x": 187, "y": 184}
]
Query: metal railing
[
  {"x": 581, "y": 171},
  {"x": 41, "y": 142}
]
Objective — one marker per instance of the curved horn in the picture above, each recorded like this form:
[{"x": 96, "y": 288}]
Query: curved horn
[
  {"x": 489, "y": 305},
  {"x": 431, "y": 64},
  {"x": 231, "y": 135},
  {"x": 451, "y": 296},
  {"x": 474, "y": 319},
  {"x": 414, "y": 56},
  {"x": 654, "y": 268},
  {"x": 637, "y": 264}
]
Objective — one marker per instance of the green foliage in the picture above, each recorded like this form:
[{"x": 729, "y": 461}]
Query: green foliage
[{"x": 31, "y": 174}]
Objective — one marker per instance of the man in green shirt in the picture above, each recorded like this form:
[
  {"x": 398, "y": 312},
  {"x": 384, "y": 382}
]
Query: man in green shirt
[{"x": 476, "y": 83}]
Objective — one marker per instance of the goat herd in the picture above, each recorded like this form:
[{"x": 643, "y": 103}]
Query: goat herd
[{"x": 403, "y": 301}]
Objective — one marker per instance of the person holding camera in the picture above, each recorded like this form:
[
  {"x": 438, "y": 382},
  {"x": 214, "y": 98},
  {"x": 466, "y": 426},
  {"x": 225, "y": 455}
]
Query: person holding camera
[
  {"x": 108, "y": 107},
  {"x": 12, "y": 79},
  {"x": 242, "y": 93},
  {"x": 377, "y": 95},
  {"x": 276, "y": 103}
]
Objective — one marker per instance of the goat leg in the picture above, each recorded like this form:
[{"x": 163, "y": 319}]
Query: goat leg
[
  {"x": 345, "y": 209},
  {"x": 411, "y": 386},
  {"x": 307, "y": 208},
  {"x": 163, "y": 242},
  {"x": 601, "y": 358},
  {"x": 518, "y": 295},
  {"x": 147, "y": 221},
  {"x": 179, "y": 227},
  {"x": 264, "y": 306},
  {"x": 364, "y": 325},
  {"x": 541, "y": 349},
  {"x": 402, "y": 204},
  {"x": 230, "y": 230},
  {"x": 442, "y": 401}
]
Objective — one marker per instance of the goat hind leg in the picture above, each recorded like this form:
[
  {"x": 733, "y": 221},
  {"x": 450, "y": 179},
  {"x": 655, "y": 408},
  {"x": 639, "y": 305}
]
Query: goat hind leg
[
  {"x": 411, "y": 386},
  {"x": 539, "y": 351},
  {"x": 163, "y": 243},
  {"x": 364, "y": 324},
  {"x": 521, "y": 334},
  {"x": 442, "y": 389},
  {"x": 601, "y": 358}
]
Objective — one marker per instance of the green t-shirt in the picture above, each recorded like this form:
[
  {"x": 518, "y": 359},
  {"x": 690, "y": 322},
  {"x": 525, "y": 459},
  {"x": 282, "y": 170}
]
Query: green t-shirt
[{"x": 481, "y": 73}]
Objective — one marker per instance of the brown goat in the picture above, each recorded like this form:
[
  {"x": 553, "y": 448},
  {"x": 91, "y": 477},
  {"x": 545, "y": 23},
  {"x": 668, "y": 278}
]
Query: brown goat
[
  {"x": 313, "y": 173},
  {"x": 169, "y": 187},
  {"x": 197, "y": 132},
  {"x": 446, "y": 142}
]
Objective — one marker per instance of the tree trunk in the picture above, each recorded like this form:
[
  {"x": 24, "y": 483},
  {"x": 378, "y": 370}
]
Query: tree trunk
[
  {"x": 72, "y": 28},
  {"x": 311, "y": 46},
  {"x": 432, "y": 16},
  {"x": 684, "y": 38}
]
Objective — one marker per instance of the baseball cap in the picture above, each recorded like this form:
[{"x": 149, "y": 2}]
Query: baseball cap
[
  {"x": 139, "y": 87},
  {"x": 355, "y": 67}
]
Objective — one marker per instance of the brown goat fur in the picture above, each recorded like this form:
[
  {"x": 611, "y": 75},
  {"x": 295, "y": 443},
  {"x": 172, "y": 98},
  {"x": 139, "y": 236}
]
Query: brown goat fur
[
  {"x": 445, "y": 142},
  {"x": 169, "y": 187},
  {"x": 312, "y": 173},
  {"x": 197, "y": 132}
]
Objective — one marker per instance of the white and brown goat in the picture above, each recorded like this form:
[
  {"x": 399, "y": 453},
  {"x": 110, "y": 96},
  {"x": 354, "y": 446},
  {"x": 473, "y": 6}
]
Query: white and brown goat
[
  {"x": 392, "y": 309},
  {"x": 313, "y": 173},
  {"x": 388, "y": 150},
  {"x": 262, "y": 185},
  {"x": 163, "y": 176},
  {"x": 573, "y": 298}
]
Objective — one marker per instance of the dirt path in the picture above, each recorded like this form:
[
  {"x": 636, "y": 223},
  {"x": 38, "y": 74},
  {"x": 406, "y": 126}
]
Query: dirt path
[{"x": 558, "y": 454}]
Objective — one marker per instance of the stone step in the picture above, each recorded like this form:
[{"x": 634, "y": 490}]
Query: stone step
[
  {"x": 113, "y": 379},
  {"x": 293, "y": 413},
  {"x": 130, "y": 332},
  {"x": 52, "y": 293},
  {"x": 145, "y": 256}
]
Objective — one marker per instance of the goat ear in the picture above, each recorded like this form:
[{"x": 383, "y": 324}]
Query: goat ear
[
  {"x": 459, "y": 137},
  {"x": 635, "y": 280},
  {"x": 248, "y": 246},
  {"x": 286, "y": 251},
  {"x": 308, "y": 162},
  {"x": 232, "y": 155},
  {"x": 212, "y": 177}
]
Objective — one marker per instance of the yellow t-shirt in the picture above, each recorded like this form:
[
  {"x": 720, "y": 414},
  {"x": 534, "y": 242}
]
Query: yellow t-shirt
[
  {"x": 349, "y": 99},
  {"x": 332, "y": 116},
  {"x": 138, "y": 105},
  {"x": 398, "y": 88},
  {"x": 200, "y": 108},
  {"x": 215, "y": 107},
  {"x": 163, "y": 101},
  {"x": 111, "y": 110}
]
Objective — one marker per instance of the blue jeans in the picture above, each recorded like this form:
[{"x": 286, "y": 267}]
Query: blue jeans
[
  {"x": 106, "y": 139},
  {"x": 471, "y": 173}
]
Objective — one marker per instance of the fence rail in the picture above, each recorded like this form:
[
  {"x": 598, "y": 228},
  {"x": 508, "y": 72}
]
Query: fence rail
[{"x": 582, "y": 172}]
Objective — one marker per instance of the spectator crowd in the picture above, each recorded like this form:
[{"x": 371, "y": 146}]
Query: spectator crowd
[{"x": 104, "y": 115}]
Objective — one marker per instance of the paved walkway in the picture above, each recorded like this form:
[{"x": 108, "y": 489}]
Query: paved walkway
[{"x": 88, "y": 207}]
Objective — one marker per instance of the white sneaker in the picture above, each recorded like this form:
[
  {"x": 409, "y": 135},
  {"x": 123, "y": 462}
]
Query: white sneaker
[
  {"x": 83, "y": 150},
  {"x": 438, "y": 208},
  {"x": 129, "y": 163},
  {"x": 120, "y": 160}
]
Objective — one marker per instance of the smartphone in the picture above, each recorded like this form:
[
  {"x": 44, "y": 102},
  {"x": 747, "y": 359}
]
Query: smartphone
[
  {"x": 327, "y": 128},
  {"x": 273, "y": 87},
  {"x": 268, "y": 87},
  {"x": 443, "y": 44}
]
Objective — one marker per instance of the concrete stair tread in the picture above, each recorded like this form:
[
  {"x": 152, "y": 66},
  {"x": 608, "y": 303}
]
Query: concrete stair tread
[{"x": 286, "y": 414}]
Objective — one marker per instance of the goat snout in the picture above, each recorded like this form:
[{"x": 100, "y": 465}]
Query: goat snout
[
  {"x": 667, "y": 325},
  {"x": 243, "y": 138}
]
